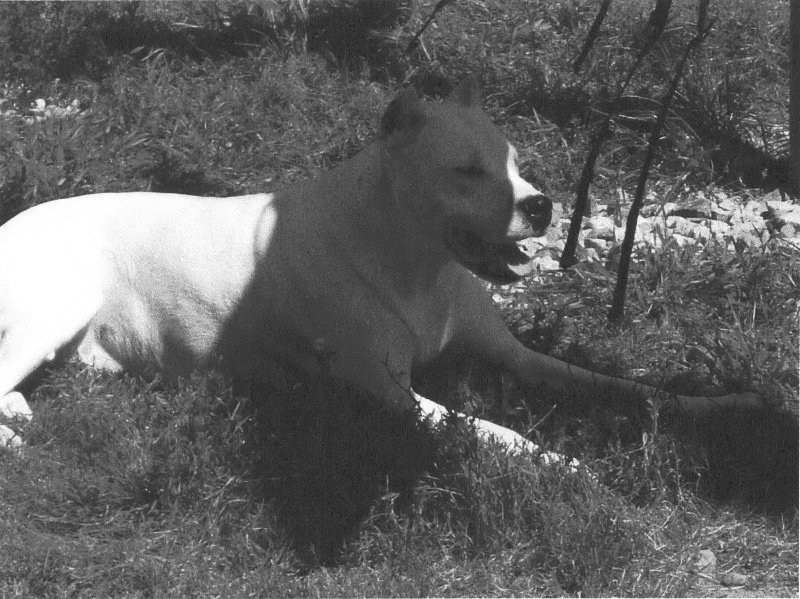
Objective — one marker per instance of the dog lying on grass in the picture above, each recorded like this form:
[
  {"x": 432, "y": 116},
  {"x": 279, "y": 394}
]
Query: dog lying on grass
[{"x": 371, "y": 264}]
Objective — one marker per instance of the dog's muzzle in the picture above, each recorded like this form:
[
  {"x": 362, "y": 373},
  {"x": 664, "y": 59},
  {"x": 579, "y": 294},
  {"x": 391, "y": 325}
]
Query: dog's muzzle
[{"x": 503, "y": 261}]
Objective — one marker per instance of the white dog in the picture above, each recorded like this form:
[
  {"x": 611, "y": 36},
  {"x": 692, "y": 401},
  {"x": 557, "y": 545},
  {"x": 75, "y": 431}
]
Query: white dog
[{"x": 370, "y": 262}]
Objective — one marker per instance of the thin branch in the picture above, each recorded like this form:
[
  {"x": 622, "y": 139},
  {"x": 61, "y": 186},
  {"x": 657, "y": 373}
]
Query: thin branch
[
  {"x": 412, "y": 45},
  {"x": 656, "y": 25},
  {"x": 794, "y": 95},
  {"x": 618, "y": 303},
  {"x": 591, "y": 36}
]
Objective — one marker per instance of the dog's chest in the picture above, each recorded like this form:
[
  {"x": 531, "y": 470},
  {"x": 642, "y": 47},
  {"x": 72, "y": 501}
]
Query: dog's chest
[{"x": 431, "y": 323}]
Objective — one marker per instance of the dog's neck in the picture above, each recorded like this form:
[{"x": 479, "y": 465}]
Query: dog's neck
[
  {"x": 373, "y": 231},
  {"x": 368, "y": 229}
]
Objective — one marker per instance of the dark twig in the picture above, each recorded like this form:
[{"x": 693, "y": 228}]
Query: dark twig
[
  {"x": 618, "y": 303},
  {"x": 794, "y": 95},
  {"x": 582, "y": 208},
  {"x": 656, "y": 25},
  {"x": 412, "y": 45},
  {"x": 591, "y": 36}
]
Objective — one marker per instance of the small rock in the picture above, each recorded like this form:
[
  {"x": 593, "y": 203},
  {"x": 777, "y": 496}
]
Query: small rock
[
  {"x": 790, "y": 214},
  {"x": 547, "y": 263},
  {"x": 727, "y": 205},
  {"x": 650, "y": 209},
  {"x": 670, "y": 207},
  {"x": 531, "y": 246},
  {"x": 772, "y": 197},
  {"x": 756, "y": 207},
  {"x": 753, "y": 233},
  {"x": 659, "y": 227},
  {"x": 597, "y": 244},
  {"x": 719, "y": 228},
  {"x": 721, "y": 215},
  {"x": 779, "y": 206},
  {"x": 681, "y": 226},
  {"x": 734, "y": 579},
  {"x": 602, "y": 227},
  {"x": 705, "y": 564},
  {"x": 558, "y": 244},
  {"x": 644, "y": 230},
  {"x": 701, "y": 232},
  {"x": 683, "y": 240},
  {"x": 588, "y": 254}
]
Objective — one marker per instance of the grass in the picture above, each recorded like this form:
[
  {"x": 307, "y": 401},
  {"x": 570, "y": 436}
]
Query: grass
[
  {"x": 197, "y": 128},
  {"x": 132, "y": 488}
]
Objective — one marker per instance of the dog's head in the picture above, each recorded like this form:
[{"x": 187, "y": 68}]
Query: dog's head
[{"x": 456, "y": 175}]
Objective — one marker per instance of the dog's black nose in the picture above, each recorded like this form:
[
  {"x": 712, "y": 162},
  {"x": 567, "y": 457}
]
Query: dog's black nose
[{"x": 538, "y": 210}]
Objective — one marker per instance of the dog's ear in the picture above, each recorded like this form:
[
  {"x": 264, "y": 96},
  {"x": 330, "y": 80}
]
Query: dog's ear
[
  {"x": 467, "y": 93},
  {"x": 402, "y": 114}
]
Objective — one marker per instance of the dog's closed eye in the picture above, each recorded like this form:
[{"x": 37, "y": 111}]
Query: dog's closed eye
[{"x": 473, "y": 170}]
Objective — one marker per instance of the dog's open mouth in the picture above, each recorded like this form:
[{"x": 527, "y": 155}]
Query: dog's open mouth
[{"x": 501, "y": 263}]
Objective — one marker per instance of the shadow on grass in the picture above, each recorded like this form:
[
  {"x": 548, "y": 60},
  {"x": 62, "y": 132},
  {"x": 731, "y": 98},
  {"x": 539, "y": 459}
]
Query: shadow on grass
[
  {"x": 297, "y": 468},
  {"x": 750, "y": 456},
  {"x": 127, "y": 487},
  {"x": 326, "y": 453},
  {"x": 744, "y": 457}
]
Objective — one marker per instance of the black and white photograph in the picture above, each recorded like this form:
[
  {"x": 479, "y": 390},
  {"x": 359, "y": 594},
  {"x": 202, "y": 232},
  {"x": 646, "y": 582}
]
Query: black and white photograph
[{"x": 399, "y": 298}]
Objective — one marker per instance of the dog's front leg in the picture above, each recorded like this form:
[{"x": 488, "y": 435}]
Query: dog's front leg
[
  {"x": 481, "y": 330},
  {"x": 534, "y": 369},
  {"x": 489, "y": 433},
  {"x": 393, "y": 385}
]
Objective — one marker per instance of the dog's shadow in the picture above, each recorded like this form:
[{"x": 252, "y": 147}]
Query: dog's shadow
[{"x": 325, "y": 453}]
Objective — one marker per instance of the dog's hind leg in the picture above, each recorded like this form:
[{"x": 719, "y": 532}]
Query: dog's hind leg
[
  {"x": 18, "y": 359},
  {"x": 29, "y": 339}
]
